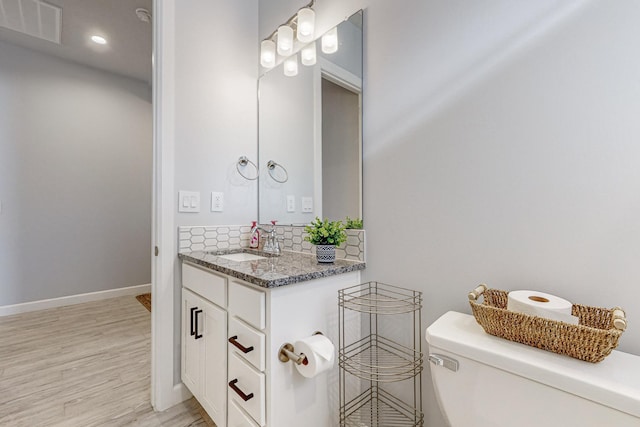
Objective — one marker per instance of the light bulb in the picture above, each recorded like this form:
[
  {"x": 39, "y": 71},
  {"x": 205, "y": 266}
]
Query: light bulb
[
  {"x": 330, "y": 41},
  {"x": 306, "y": 24},
  {"x": 98, "y": 39},
  {"x": 285, "y": 40},
  {"x": 308, "y": 54},
  {"x": 291, "y": 66},
  {"x": 267, "y": 54}
]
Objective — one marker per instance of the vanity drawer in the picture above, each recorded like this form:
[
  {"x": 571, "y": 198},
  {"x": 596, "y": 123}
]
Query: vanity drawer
[
  {"x": 205, "y": 283},
  {"x": 237, "y": 417},
  {"x": 248, "y": 304},
  {"x": 247, "y": 388},
  {"x": 241, "y": 335}
]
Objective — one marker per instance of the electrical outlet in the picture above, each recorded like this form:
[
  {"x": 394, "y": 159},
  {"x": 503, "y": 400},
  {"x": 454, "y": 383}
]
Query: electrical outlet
[
  {"x": 217, "y": 201},
  {"x": 291, "y": 203}
]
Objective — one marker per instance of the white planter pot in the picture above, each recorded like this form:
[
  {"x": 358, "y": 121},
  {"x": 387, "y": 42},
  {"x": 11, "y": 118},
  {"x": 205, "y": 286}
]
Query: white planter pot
[{"x": 326, "y": 253}]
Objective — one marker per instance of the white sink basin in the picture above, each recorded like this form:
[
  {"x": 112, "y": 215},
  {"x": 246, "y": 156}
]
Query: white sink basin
[{"x": 242, "y": 256}]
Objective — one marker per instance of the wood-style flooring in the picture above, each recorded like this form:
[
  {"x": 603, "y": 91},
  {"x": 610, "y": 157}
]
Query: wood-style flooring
[{"x": 82, "y": 365}]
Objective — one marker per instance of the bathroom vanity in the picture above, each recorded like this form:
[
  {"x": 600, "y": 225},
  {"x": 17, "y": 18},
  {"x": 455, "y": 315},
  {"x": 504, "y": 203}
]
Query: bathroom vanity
[{"x": 237, "y": 311}]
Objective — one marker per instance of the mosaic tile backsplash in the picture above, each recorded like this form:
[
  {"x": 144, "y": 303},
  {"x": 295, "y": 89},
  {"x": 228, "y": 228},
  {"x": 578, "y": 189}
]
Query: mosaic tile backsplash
[
  {"x": 219, "y": 237},
  {"x": 195, "y": 238}
]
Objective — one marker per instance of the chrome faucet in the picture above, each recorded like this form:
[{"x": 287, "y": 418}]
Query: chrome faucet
[{"x": 271, "y": 244}]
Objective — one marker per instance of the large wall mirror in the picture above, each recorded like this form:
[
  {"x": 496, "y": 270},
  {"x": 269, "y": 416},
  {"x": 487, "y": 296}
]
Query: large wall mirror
[{"x": 310, "y": 134}]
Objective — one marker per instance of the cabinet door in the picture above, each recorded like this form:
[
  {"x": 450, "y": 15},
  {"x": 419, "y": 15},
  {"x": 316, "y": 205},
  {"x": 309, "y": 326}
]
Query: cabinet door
[
  {"x": 214, "y": 354},
  {"x": 191, "y": 347}
]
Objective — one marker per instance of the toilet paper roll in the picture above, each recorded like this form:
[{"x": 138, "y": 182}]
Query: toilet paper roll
[
  {"x": 319, "y": 352},
  {"x": 541, "y": 304}
]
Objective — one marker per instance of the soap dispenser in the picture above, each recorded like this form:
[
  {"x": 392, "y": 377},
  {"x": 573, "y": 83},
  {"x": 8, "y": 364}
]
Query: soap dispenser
[{"x": 254, "y": 243}]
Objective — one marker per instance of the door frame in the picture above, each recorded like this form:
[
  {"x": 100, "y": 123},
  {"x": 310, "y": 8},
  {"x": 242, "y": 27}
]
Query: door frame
[
  {"x": 343, "y": 78},
  {"x": 166, "y": 388}
]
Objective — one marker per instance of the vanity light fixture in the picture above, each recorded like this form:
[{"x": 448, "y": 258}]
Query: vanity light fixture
[
  {"x": 285, "y": 40},
  {"x": 308, "y": 54},
  {"x": 268, "y": 54},
  {"x": 330, "y": 41},
  {"x": 282, "y": 41},
  {"x": 291, "y": 66},
  {"x": 306, "y": 24},
  {"x": 98, "y": 39}
]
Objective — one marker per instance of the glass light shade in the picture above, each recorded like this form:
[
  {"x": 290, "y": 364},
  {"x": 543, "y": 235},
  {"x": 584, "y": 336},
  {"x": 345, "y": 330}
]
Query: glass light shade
[
  {"x": 98, "y": 39},
  {"x": 308, "y": 54},
  {"x": 306, "y": 24},
  {"x": 291, "y": 66},
  {"x": 285, "y": 40},
  {"x": 330, "y": 41},
  {"x": 267, "y": 53}
]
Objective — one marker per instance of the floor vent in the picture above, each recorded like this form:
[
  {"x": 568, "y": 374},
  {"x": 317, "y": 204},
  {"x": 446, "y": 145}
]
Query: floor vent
[{"x": 33, "y": 17}]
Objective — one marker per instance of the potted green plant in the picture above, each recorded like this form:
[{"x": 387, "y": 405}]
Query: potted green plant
[
  {"x": 326, "y": 235},
  {"x": 353, "y": 224}
]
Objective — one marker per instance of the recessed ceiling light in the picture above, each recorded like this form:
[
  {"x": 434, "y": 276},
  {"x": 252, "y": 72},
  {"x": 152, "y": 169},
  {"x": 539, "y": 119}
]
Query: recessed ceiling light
[
  {"x": 143, "y": 14},
  {"x": 99, "y": 39}
]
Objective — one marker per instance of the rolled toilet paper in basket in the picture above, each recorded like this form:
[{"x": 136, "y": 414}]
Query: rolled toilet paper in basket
[
  {"x": 541, "y": 304},
  {"x": 319, "y": 352}
]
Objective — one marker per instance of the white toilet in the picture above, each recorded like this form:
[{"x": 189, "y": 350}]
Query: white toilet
[{"x": 481, "y": 380}]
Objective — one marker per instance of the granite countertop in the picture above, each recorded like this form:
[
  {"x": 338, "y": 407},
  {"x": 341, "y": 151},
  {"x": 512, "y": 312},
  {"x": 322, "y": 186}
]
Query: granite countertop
[{"x": 273, "y": 271}]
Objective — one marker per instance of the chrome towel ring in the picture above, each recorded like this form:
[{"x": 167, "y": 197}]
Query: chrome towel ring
[
  {"x": 271, "y": 165},
  {"x": 243, "y": 162}
]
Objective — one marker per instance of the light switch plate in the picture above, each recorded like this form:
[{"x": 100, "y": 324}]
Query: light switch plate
[
  {"x": 307, "y": 204},
  {"x": 217, "y": 201},
  {"x": 291, "y": 203},
  {"x": 188, "y": 201}
]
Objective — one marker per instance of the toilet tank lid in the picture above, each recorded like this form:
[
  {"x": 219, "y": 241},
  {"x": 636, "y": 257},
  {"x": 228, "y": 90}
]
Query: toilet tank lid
[{"x": 614, "y": 382}]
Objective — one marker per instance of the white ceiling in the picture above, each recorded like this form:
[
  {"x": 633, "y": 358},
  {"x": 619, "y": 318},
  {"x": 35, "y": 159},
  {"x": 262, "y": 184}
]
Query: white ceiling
[{"x": 128, "y": 51}]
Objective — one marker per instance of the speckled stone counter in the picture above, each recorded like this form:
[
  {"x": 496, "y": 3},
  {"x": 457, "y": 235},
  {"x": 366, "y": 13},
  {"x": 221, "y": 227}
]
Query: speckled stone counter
[{"x": 273, "y": 271}]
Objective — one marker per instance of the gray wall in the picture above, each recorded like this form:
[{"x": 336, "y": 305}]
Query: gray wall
[
  {"x": 216, "y": 107},
  {"x": 340, "y": 152},
  {"x": 215, "y": 83},
  {"x": 519, "y": 120},
  {"x": 525, "y": 171},
  {"x": 75, "y": 178}
]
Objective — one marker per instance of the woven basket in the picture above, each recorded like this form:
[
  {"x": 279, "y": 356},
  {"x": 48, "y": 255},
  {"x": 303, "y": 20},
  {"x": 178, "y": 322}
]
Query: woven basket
[{"x": 591, "y": 340}]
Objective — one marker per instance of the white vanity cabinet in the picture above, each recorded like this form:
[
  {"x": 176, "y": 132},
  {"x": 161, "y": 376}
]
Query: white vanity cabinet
[
  {"x": 259, "y": 390},
  {"x": 247, "y": 348},
  {"x": 204, "y": 337}
]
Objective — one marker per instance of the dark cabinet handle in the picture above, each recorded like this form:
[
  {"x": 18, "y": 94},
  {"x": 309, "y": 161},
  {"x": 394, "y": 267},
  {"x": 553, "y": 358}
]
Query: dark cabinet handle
[
  {"x": 242, "y": 348},
  {"x": 191, "y": 323},
  {"x": 196, "y": 322},
  {"x": 235, "y": 388}
]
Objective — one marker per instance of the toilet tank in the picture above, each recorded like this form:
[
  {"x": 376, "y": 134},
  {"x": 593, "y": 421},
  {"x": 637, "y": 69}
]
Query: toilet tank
[{"x": 481, "y": 380}]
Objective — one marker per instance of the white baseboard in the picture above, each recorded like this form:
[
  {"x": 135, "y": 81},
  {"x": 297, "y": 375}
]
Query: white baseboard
[
  {"x": 7, "y": 310},
  {"x": 181, "y": 392},
  {"x": 178, "y": 393}
]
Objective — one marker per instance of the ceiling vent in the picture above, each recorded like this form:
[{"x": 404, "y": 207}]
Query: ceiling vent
[{"x": 33, "y": 17}]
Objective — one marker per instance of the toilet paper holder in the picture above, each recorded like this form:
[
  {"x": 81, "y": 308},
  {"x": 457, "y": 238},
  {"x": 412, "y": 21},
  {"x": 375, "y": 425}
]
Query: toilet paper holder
[{"x": 287, "y": 353}]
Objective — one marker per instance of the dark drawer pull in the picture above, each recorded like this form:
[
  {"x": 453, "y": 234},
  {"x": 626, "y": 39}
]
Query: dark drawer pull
[
  {"x": 242, "y": 348},
  {"x": 191, "y": 323},
  {"x": 235, "y": 388},
  {"x": 198, "y": 336}
]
